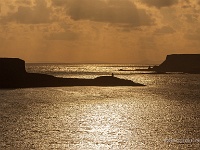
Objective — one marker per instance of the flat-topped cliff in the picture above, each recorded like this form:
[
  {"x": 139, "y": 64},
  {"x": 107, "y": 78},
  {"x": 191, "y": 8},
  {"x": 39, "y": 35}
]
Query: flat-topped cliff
[
  {"x": 12, "y": 66},
  {"x": 187, "y": 63},
  {"x": 14, "y": 75}
]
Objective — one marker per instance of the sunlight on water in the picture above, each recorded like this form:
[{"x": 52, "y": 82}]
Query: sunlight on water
[
  {"x": 162, "y": 115},
  {"x": 81, "y": 70},
  {"x": 97, "y": 118},
  {"x": 101, "y": 125}
]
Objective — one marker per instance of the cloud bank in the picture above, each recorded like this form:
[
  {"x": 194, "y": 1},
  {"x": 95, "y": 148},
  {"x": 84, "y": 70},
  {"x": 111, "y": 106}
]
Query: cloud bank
[
  {"x": 101, "y": 30},
  {"x": 160, "y": 3},
  {"x": 110, "y": 11},
  {"x": 37, "y": 14}
]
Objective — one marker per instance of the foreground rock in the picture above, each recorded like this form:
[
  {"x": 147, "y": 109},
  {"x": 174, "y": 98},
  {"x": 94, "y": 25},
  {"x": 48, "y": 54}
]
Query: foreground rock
[{"x": 14, "y": 75}]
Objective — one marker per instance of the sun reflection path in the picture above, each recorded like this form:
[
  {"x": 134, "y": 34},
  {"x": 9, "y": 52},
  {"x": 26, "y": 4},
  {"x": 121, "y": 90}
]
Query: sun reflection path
[
  {"x": 104, "y": 125},
  {"x": 100, "y": 118}
]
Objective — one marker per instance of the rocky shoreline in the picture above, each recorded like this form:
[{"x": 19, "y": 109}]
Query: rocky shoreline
[
  {"x": 13, "y": 75},
  {"x": 177, "y": 63}
]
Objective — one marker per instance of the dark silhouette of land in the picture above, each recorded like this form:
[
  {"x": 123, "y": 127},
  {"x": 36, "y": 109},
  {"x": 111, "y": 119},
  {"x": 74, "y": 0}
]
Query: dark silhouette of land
[
  {"x": 13, "y": 75},
  {"x": 184, "y": 63}
]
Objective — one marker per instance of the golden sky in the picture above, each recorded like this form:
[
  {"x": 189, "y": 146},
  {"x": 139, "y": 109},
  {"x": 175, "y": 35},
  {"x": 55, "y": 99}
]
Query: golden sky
[{"x": 119, "y": 31}]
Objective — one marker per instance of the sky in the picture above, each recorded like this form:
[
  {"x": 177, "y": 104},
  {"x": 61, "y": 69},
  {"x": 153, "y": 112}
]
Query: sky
[{"x": 98, "y": 31}]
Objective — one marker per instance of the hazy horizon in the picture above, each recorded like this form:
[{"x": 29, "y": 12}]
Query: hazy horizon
[
  {"x": 149, "y": 62},
  {"x": 98, "y": 31}
]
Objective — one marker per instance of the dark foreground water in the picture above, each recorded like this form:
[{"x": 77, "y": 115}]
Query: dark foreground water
[{"x": 162, "y": 115}]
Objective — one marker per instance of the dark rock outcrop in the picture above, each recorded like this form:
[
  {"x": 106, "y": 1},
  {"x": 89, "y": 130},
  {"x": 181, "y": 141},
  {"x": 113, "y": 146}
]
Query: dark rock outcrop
[
  {"x": 14, "y": 75},
  {"x": 10, "y": 66},
  {"x": 186, "y": 63}
]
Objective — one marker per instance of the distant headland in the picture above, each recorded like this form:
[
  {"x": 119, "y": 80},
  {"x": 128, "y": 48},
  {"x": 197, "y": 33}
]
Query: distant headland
[
  {"x": 13, "y": 75},
  {"x": 180, "y": 63}
]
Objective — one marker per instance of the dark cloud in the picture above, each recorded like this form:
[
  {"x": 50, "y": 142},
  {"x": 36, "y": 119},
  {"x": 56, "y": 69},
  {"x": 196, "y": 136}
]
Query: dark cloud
[
  {"x": 164, "y": 30},
  {"x": 160, "y": 3},
  {"x": 37, "y": 14},
  {"x": 110, "y": 11}
]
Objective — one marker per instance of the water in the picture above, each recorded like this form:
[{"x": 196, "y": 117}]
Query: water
[{"x": 162, "y": 115}]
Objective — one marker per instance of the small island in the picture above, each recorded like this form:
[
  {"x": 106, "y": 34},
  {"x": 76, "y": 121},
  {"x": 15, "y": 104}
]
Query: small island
[
  {"x": 13, "y": 75},
  {"x": 177, "y": 63}
]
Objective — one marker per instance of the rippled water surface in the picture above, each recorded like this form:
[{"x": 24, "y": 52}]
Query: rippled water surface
[{"x": 162, "y": 115}]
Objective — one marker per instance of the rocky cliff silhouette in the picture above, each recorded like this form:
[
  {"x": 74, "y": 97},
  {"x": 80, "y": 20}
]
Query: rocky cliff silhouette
[
  {"x": 186, "y": 63},
  {"x": 13, "y": 75}
]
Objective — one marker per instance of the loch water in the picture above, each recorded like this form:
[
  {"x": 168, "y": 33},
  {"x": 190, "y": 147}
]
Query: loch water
[{"x": 164, "y": 114}]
